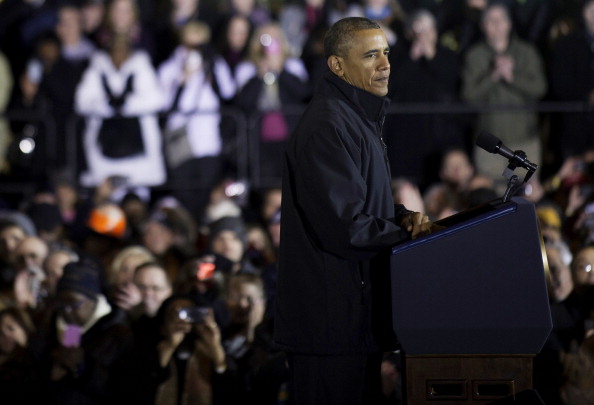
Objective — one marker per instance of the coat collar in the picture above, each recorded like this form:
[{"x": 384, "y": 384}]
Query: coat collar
[{"x": 369, "y": 105}]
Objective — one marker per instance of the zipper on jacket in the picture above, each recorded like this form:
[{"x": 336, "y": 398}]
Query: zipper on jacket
[
  {"x": 381, "y": 137},
  {"x": 363, "y": 291}
]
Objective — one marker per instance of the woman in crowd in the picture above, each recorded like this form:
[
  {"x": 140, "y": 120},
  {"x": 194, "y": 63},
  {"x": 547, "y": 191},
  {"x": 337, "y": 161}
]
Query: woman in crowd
[{"x": 119, "y": 96}]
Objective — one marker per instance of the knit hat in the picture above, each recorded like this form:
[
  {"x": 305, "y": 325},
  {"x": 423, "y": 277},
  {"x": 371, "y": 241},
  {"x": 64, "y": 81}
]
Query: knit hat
[
  {"x": 108, "y": 219},
  {"x": 82, "y": 278},
  {"x": 45, "y": 216},
  {"x": 234, "y": 224}
]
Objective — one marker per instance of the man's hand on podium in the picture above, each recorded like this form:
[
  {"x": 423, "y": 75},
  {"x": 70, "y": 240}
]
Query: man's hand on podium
[{"x": 418, "y": 224}]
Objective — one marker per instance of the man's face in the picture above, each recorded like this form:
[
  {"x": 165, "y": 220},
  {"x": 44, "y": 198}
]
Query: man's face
[
  {"x": 76, "y": 308},
  {"x": 366, "y": 66},
  {"x": 154, "y": 288},
  {"x": 31, "y": 252},
  {"x": 228, "y": 244},
  {"x": 496, "y": 24}
]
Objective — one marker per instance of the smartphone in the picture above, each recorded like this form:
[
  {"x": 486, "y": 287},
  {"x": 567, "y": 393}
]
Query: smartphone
[
  {"x": 193, "y": 314},
  {"x": 72, "y": 335}
]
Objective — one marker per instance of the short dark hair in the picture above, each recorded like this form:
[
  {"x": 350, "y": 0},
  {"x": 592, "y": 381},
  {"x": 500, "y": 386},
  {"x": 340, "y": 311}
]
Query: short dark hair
[
  {"x": 340, "y": 36},
  {"x": 496, "y": 4}
]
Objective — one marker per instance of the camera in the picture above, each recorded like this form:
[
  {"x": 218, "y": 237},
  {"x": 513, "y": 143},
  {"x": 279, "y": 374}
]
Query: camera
[{"x": 192, "y": 314}]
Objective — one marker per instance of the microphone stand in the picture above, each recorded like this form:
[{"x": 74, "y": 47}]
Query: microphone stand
[{"x": 513, "y": 184}]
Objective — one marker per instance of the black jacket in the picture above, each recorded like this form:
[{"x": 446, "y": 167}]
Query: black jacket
[{"x": 337, "y": 214}]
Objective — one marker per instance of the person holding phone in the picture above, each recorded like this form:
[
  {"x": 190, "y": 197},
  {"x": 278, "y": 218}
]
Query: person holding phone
[
  {"x": 88, "y": 345},
  {"x": 187, "y": 351}
]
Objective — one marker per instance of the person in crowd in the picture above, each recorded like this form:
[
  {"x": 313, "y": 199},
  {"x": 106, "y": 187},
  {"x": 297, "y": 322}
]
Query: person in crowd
[
  {"x": 299, "y": 19},
  {"x": 119, "y": 92},
  {"x": 260, "y": 251},
  {"x": 223, "y": 203},
  {"x": 180, "y": 367},
  {"x": 233, "y": 44},
  {"x": 92, "y": 16},
  {"x": 175, "y": 15},
  {"x": 105, "y": 233},
  {"x": 274, "y": 86},
  {"x": 228, "y": 238},
  {"x": 407, "y": 193},
  {"x": 251, "y": 9},
  {"x": 170, "y": 237},
  {"x": 70, "y": 204},
  {"x": 47, "y": 219},
  {"x": 268, "y": 50},
  {"x": 271, "y": 203},
  {"x": 87, "y": 348},
  {"x": 459, "y": 176},
  {"x": 59, "y": 82},
  {"x": 194, "y": 83},
  {"x": 151, "y": 281},
  {"x": 53, "y": 268},
  {"x": 582, "y": 266},
  {"x": 154, "y": 286},
  {"x": 507, "y": 71},
  {"x": 255, "y": 372},
  {"x": 439, "y": 201},
  {"x": 424, "y": 72},
  {"x": 11, "y": 235},
  {"x": 123, "y": 292},
  {"x": 122, "y": 19},
  {"x": 18, "y": 374},
  {"x": 32, "y": 162},
  {"x": 389, "y": 14},
  {"x": 567, "y": 320},
  {"x": 30, "y": 253},
  {"x": 571, "y": 80},
  {"x": 75, "y": 46},
  {"x": 6, "y": 83},
  {"x": 532, "y": 20},
  {"x": 341, "y": 223}
]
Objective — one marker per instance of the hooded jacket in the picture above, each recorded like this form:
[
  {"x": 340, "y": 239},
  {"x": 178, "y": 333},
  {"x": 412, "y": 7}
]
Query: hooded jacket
[{"x": 337, "y": 215}]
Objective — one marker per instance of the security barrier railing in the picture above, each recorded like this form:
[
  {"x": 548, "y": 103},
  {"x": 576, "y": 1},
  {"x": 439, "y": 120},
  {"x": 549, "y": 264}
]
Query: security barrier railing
[{"x": 255, "y": 159}]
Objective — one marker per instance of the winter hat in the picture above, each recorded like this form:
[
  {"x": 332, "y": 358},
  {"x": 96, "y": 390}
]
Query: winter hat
[
  {"x": 82, "y": 278},
  {"x": 45, "y": 216},
  {"x": 234, "y": 224},
  {"x": 108, "y": 219}
]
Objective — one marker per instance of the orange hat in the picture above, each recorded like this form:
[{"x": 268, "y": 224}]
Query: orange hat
[{"x": 108, "y": 219}]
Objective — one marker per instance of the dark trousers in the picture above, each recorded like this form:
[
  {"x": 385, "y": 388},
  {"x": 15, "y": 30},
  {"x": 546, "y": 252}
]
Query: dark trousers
[{"x": 335, "y": 380}]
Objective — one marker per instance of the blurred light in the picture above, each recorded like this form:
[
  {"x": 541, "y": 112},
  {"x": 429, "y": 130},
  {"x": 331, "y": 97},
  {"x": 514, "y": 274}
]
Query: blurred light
[
  {"x": 235, "y": 189},
  {"x": 266, "y": 39},
  {"x": 27, "y": 145},
  {"x": 269, "y": 78}
]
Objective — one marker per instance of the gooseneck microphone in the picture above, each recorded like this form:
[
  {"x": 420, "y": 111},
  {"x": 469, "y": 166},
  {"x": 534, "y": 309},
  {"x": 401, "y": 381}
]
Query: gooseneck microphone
[{"x": 492, "y": 144}]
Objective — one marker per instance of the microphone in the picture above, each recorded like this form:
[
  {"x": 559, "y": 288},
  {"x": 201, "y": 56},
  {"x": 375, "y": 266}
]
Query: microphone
[{"x": 492, "y": 144}]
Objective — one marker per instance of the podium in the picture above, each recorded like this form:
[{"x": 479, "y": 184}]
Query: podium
[{"x": 470, "y": 305}]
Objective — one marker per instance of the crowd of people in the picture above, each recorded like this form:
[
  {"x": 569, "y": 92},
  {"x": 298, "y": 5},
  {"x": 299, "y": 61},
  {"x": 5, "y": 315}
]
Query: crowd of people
[{"x": 146, "y": 272}]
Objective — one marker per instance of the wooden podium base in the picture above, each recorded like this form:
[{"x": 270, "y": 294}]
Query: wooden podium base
[{"x": 465, "y": 379}]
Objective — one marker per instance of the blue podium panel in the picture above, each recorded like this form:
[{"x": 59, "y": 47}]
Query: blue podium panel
[{"x": 476, "y": 287}]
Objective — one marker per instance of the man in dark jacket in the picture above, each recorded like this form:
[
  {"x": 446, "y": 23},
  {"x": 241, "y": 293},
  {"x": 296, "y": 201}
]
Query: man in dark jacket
[{"x": 338, "y": 214}]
